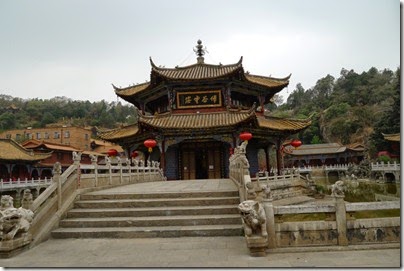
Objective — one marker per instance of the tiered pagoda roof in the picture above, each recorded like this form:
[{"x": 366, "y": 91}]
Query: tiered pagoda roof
[
  {"x": 201, "y": 71},
  {"x": 222, "y": 118}
]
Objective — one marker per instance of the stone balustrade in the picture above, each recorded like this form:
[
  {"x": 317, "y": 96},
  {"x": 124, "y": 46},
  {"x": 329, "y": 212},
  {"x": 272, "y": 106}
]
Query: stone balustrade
[
  {"x": 319, "y": 223},
  {"x": 77, "y": 179}
]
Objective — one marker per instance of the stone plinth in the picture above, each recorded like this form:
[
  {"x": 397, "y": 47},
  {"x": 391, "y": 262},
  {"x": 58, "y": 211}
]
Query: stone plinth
[
  {"x": 257, "y": 245},
  {"x": 9, "y": 248}
]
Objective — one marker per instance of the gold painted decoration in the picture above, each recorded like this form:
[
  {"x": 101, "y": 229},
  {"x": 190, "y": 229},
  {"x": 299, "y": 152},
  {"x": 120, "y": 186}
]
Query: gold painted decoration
[{"x": 210, "y": 98}]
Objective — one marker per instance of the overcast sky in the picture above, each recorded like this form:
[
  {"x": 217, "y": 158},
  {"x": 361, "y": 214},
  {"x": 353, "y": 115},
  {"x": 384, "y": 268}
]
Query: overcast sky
[{"x": 77, "y": 48}]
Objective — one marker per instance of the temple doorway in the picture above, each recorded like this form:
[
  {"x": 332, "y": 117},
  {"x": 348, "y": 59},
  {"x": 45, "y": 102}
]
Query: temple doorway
[{"x": 201, "y": 160}]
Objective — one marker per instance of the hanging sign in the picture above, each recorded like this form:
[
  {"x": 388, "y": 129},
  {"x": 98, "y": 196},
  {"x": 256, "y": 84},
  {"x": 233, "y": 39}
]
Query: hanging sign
[{"x": 209, "y": 98}]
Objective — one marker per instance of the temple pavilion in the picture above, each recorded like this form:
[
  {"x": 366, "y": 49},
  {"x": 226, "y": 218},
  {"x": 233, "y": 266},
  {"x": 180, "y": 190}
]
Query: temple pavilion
[{"x": 196, "y": 113}]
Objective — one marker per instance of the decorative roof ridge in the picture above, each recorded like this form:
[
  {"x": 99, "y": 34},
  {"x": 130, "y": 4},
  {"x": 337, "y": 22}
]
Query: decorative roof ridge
[
  {"x": 48, "y": 143},
  {"x": 128, "y": 87},
  {"x": 28, "y": 152},
  {"x": 322, "y": 145},
  {"x": 269, "y": 77},
  {"x": 155, "y": 67},
  {"x": 169, "y": 114},
  {"x": 394, "y": 134},
  {"x": 307, "y": 120},
  {"x": 106, "y": 130}
]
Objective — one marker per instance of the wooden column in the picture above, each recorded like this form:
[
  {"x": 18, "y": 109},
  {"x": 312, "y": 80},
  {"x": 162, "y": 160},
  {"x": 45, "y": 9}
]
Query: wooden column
[
  {"x": 278, "y": 156},
  {"x": 267, "y": 158},
  {"x": 163, "y": 156}
]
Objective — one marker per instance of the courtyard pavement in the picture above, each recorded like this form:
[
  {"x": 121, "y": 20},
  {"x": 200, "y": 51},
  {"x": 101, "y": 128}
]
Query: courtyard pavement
[{"x": 194, "y": 252}]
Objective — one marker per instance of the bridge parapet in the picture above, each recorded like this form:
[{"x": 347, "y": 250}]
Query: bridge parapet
[
  {"x": 337, "y": 167},
  {"x": 66, "y": 186},
  {"x": 385, "y": 166},
  {"x": 7, "y": 185}
]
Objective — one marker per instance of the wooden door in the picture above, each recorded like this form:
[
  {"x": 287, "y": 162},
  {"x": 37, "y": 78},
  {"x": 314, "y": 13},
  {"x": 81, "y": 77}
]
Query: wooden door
[{"x": 188, "y": 165}]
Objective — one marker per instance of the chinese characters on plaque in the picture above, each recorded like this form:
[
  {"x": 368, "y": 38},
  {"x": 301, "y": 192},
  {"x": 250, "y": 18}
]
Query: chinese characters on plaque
[{"x": 210, "y": 98}]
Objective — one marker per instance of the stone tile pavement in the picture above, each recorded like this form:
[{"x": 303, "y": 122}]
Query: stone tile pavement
[
  {"x": 193, "y": 252},
  {"x": 202, "y": 252}
]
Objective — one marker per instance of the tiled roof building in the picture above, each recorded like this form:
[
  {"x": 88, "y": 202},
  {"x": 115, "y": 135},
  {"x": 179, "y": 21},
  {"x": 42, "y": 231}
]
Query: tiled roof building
[
  {"x": 323, "y": 154},
  {"x": 16, "y": 161},
  {"x": 196, "y": 113}
]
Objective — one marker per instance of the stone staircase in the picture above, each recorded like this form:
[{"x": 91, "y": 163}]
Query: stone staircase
[{"x": 154, "y": 214}]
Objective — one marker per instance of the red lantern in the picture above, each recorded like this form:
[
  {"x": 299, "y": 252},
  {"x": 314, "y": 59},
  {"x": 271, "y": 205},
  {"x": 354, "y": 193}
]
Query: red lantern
[
  {"x": 150, "y": 144},
  {"x": 296, "y": 143},
  {"x": 245, "y": 136},
  {"x": 112, "y": 152},
  {"x": 134, "y": 154}
]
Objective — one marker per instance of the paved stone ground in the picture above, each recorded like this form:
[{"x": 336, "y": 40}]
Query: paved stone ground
[{"x": 203, "y": 252}]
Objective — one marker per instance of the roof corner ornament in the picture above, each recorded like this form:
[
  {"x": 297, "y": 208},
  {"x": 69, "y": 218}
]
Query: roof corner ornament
[{"x": 200, "y": 51}]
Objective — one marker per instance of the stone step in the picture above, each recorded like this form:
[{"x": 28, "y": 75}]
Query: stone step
[
  {"x": 148, "y": 232},
  {"x": 193, "y": 194},
  {"x": 126, "y": 203},
  {"x": 152, "y": 221},
  {"x": 153, "y": 211},
  {"x": 106, "y": 214}
]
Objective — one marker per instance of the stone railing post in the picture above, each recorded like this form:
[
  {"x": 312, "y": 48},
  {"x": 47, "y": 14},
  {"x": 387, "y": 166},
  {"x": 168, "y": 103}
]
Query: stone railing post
[
  {"x": 76, "y": 162},
  {"x": 120, "y": 170},
  {"x": 340, "y": 212},
  {"x": 108, "y": 163},
  {"x": 57, "y": 171},
  {"x": 94, "y": 160},
  {"x": 270, "y": 216}
]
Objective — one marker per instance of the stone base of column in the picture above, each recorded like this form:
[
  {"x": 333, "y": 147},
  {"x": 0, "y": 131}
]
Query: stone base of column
[
  {"x": 257, "y": 245},
  {"x": 10, "y": 248}
]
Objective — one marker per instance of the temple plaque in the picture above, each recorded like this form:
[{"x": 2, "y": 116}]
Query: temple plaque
[{"x": 210, "y": 98}]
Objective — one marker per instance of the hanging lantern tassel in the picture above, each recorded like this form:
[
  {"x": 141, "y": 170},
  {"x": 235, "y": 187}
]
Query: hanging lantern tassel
[{"x": 150, "y": 144}]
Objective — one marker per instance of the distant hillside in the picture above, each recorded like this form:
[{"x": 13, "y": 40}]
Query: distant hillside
[
  {"x": 354, "y": 108},
  {"x": 17, "y": 113}
]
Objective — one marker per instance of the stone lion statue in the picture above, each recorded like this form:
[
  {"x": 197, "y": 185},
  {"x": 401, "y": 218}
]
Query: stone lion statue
[
  {"x": 254, "y": 218},
  {"x": 337, "y": 189},
  {"x": 13, "y": 220}
]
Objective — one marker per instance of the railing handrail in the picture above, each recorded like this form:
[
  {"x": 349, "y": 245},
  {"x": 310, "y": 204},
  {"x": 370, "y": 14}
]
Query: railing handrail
[
  {"x": 10, "y": 183},
  {"x": 385, "y": 166}
]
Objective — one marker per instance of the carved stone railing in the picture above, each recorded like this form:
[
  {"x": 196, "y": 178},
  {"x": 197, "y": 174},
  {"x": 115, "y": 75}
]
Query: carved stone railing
[
  {"x": 59, "y": 196},
  {"x": 329, "y": 223},
  {"x": 337, "y": 167},
  {"x": 239, "y": 171},
  {"x": 10, "y": 184},
  {"x": 385, "y": 166}
]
